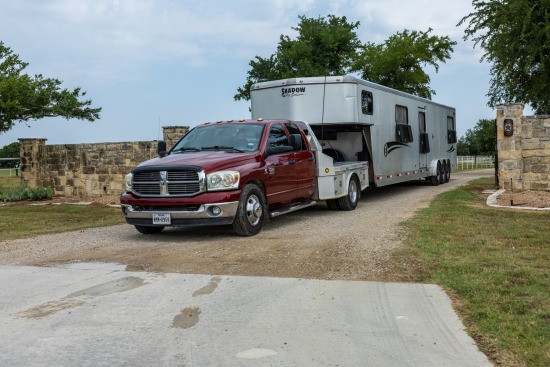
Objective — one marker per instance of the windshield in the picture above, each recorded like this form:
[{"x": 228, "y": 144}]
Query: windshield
[{"x": 229, "y": 137}]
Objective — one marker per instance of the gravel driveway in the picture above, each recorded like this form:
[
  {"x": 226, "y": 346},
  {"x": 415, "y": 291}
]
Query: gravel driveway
[{"x": 311, "y": 243}]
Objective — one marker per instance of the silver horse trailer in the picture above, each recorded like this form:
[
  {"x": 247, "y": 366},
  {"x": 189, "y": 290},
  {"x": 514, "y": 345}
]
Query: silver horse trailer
[{"x": 403, "y": 137}]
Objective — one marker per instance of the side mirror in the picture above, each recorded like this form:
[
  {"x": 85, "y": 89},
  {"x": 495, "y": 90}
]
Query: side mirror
[
  {"x": 296, "y": 141},
  {"x": 161, "y": 148}
]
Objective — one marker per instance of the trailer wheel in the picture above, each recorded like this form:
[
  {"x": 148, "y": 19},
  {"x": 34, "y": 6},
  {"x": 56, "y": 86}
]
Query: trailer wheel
[
  {"x": 250, "y": 212},
  {"x": 441, "y": 173},
  {"x": 434, "y": 180},
  {"x": 448, "y": 170},
  {"x": 148, "y": 229},
  {"x": 349, "y": 202},
  {"x": 332, "y": 204}
]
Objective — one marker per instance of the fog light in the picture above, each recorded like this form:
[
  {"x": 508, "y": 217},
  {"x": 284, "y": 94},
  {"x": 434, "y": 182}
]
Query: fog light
[{"x": 215, "y": 211}]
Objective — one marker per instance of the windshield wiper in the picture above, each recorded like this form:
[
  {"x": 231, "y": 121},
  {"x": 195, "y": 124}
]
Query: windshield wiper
[
  {"x": 219, "y": 147},
  {"x": 190, "y": 149}
]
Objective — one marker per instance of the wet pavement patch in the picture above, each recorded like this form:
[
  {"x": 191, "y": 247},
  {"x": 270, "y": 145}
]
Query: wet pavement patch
[{"x": 187, "y": 318}]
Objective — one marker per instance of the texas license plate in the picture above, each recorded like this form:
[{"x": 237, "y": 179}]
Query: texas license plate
[{"x": 163, "y": 219}]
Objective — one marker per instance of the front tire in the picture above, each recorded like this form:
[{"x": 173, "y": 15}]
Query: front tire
[
  {"x": 250, "y": 212},
  {"x": 349, "y": 202},
  {"x": 149, "y": 230}
]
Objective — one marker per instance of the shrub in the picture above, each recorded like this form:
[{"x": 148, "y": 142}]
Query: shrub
[{"x": 23, "y": 192}]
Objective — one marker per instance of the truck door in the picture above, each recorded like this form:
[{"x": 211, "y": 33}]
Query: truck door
[
  {"x": 305, "y": 166},
  {"x": 280, "y": 169},
  {"x": 424, "y": 140}
]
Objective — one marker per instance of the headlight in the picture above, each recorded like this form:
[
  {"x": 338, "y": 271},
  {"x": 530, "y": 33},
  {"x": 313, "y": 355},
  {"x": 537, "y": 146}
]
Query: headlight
[
  {"x": 222, "y": 180},
  {"x": 128, "y": 181}
]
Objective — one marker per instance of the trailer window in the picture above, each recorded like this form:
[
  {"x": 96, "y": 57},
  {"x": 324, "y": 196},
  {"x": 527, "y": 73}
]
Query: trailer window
[
  {"x": 422, "y": 121},
  {"x": 401, "y": 115},
  {"x": 424, "y": 138},
  {"x": 366, "y": 102},
  {"x": 451, "y": 130},
  {"x": 403, "y": 131}
]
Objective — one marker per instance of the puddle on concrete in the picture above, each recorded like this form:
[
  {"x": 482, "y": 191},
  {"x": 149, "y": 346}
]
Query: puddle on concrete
[
  {"x": 188, "y": 317},
  {"x": 114, "y": 286},
  {"x": 208, "y": 289},
  {"x": 100, "y": 266}
]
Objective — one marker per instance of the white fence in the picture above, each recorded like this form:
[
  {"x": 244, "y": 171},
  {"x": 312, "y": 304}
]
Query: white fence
[
  {"x": 475, "y": 161},
  {"x": 9, "y": 172}
]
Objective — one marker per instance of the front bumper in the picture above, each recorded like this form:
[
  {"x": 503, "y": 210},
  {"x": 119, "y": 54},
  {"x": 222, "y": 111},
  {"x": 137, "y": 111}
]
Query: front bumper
[{"x": 204, "y": 215}]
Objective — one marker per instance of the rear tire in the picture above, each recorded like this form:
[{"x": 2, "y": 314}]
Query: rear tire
[
  {"x": 448, "y": 171},
  {"x": 148, "y": 229},
  {"x": 349, "y": 202},
  {"x": 441, "y": 173},
  {"x": 250, "y": 212},
  {"x": 434, "y": 180},
  {"x": 332, "y": 204}
]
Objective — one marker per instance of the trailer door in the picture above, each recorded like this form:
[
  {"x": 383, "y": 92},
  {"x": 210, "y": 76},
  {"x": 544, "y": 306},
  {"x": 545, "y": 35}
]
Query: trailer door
[{"x": 424, "y": 139}]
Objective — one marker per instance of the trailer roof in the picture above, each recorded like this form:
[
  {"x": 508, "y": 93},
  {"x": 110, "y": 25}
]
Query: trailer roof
[{"x": 335, "y": 80}]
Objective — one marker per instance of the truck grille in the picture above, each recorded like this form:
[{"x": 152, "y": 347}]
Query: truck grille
[{"x": 167, "y": 183}]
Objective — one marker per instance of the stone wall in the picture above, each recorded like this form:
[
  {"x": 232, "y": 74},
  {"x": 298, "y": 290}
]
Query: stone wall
[
  {"x": 523, "y": 157},
  {"x": 86, "y": 169}
]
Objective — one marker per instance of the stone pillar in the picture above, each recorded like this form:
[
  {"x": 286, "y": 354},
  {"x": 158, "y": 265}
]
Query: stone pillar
[
  {"x": 510, "y": 162},
  {"x": 172, "y": 134},
  {"x": 31, "y": 151}
]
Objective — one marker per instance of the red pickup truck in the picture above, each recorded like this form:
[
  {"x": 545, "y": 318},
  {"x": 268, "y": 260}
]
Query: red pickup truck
[{"x": 235, "y": 172}]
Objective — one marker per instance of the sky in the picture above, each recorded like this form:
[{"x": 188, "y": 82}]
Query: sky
[{"x": 154, "y": 63}]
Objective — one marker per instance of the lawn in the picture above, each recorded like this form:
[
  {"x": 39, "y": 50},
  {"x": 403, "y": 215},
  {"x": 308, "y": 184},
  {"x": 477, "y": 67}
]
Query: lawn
[{"x": 495, "y": 265}]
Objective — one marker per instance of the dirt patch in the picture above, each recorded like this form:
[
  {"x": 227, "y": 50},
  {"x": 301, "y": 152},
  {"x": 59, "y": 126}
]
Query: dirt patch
[
  {"x": 312, "y": 243},
  {"x": 528, "y": 199}
]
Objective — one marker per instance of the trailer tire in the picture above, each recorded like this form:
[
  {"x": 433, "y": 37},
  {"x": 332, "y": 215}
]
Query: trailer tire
[
  {"x": 349, "y": 202},
  {"x": 434, "y": 180},
  {"x": 149, "y": 229},
  {"x": 250, "y": 212},
  {"x": 332, "y": 204},
  {"x": 441, "y": 172},
  {"x": 448, "y": 170}
]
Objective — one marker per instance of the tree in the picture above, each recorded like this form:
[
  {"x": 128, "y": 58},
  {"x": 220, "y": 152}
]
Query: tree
[
  {"x": 516, "y": 38},
  {"x": 322, "y": 47},
  {"x": 331, "y": 47},
  {"x": 24, "y": 97},
  {"x": 480, "y": 140},
  {"x": 398, "y": 62},
  {"x": 9, "y": 151}
]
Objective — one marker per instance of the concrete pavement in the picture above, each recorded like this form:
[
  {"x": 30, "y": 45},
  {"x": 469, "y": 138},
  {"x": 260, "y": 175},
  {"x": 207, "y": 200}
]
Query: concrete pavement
[{"x": 111, "y": 317}]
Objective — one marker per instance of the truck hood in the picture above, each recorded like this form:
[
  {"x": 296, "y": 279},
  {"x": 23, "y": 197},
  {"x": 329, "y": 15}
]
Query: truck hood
[{"x": 209, "y": 161}]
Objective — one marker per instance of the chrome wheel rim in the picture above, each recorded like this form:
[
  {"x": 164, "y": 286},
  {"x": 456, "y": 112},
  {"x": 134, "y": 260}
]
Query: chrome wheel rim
[
  {"x": 352, "y": 191},
  {"x": 254, "y": 210}
]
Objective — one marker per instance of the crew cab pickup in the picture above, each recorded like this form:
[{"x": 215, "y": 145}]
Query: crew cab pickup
[{"x": 238, "y": 173}]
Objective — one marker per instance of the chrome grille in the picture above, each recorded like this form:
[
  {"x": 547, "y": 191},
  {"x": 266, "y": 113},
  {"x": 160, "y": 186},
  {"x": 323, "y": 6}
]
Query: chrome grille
[{"x": 166, "y": 183}]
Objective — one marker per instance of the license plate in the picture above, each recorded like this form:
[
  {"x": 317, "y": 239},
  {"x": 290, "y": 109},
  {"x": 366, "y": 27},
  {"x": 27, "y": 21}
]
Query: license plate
[{"x": 163, "y": 219}]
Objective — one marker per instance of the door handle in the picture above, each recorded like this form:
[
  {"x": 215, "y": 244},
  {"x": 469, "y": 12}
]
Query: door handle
[
  {"x": 291, "y": 161},
  {"x": 310, "y": 159}
]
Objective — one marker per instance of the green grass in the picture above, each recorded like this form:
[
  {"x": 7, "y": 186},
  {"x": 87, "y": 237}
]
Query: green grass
[
  {"x": 23, "y": 220},
  {"x": 9, "y": 183},
  {"x": 7, "y": 172},
  {"x": 495, "y": 264},
  {"x": 472, "y": 168}
]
